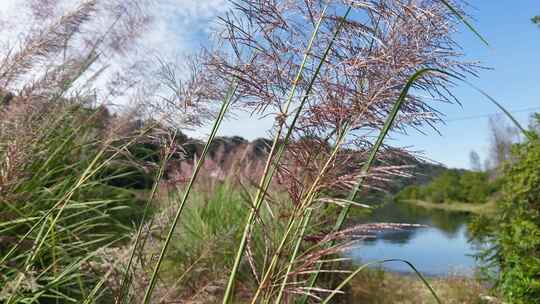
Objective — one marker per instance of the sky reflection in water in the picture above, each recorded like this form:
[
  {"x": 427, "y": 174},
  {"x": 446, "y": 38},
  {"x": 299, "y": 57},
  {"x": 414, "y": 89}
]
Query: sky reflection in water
[{"x": 441, "y": 249}]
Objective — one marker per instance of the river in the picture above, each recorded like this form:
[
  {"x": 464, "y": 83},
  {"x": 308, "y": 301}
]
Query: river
[{"x": 442, "y": 248}]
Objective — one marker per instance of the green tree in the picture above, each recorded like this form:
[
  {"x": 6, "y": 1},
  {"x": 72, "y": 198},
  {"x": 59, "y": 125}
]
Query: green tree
[
  {"x": 445, "y": 187},
  {"x": 453, "y": 185},
  {"x": 474, "y": 158},
  {"x": 411, "y": 192},
  {"x": 474, "y": 187},
  {"x": 516, "y": 229}
]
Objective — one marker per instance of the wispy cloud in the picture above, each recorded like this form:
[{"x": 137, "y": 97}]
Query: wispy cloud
[
  {"x": 183, "y": 25},
  {"x": 180, "y": 25}
]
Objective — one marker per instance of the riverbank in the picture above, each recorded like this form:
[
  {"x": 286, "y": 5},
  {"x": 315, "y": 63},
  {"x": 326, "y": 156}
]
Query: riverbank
[
  {"x": 482, "y": 209},
  {"x": 376, "y": 286}
]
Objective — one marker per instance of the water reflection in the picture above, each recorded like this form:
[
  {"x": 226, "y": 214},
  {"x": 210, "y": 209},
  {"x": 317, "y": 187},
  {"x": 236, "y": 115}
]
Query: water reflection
[{"x": 441, "y": 248}]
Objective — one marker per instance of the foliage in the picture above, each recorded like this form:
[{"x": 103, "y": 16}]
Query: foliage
[
  {"x": 453, "y": 186},
  {"x": 211, "y": 227},
  {"x": 60, "y": 210},
  {"x": 516, "y": 229},
  {"x": 208, "y": 236},
  {"x": 135, "y": 169}
]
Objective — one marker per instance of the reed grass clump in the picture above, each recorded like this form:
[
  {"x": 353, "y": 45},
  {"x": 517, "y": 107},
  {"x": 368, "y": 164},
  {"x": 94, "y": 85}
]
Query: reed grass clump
[
  {"x": 332, "y": 74},
  {"x": 60, "y": 210},
  {"x": 60, "y": 149}
]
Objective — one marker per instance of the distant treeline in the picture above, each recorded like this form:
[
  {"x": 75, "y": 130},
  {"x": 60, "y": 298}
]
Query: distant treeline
[{"x": 453, "y": 185}]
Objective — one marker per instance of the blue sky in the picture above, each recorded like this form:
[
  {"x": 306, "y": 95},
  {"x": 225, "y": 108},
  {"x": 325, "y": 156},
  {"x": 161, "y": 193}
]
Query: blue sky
[
  {"x": 514, "y": 56},
  {"x": 514, "y": 81}
]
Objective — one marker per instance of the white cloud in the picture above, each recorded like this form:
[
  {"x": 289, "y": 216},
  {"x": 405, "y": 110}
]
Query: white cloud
[
  {"x": 6, "y": 5},
  {"x": 182, "y": 25},
  {"x": 179, "y": 25},
  {"x": 195, "y": 9}
]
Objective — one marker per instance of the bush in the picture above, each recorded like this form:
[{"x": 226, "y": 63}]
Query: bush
[
  {"x": 410, "y": 192},
  {"x": 128, "y": 175},
  {"x": 205, "y": 243},
  {"x": 475, "y": 187},
  {"x": 517, "y": 226}
]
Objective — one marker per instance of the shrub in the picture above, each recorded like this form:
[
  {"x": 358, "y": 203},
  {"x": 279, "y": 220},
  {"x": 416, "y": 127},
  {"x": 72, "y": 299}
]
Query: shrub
[
  {"x": 517, "y": 226},
  {"x": 410, "y": 192},
  {"x": 475, "y": 187}
]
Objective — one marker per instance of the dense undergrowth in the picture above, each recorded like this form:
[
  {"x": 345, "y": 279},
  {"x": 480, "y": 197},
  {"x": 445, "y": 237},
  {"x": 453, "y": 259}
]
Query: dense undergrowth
[
  {"x": 62, "y": 199},
  {"x": 513, "y": 261}
]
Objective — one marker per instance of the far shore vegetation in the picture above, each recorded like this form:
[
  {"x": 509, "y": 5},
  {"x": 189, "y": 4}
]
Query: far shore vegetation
[{"x": 480, "y": 209}]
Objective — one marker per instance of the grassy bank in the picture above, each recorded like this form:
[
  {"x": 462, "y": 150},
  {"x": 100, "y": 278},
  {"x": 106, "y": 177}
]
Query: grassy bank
[
  {"x": 376, "y": 286},
  {"x": 482, "y": 209}
]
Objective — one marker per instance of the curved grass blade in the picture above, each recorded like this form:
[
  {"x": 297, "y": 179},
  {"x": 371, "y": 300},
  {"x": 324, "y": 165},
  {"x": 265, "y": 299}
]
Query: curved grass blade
[
  {"x": 465, "y": 21},
  {"x": 378, "y": 143},
  {"x": 502, "y": 108},
  {"x": 361, "y": 268},
  {"x": 373, "y": 153}
]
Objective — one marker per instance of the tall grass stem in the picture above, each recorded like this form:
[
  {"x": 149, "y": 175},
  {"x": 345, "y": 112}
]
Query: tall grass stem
[{"x": 200, "y": 162}]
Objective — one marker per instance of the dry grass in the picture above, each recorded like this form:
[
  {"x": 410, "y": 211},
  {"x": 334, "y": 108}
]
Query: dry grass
[
  {"x": 380, "y": 287},
  {"x": 486, "y": 208}
]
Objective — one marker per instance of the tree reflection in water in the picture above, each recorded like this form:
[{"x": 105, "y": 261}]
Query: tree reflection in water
[{"x": 438, "y": 249}]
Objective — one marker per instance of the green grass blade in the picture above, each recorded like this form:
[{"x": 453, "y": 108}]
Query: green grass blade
[
  {"x": 94, "y": 166},
  {"x": 361, "y": 268},
  {"x": 465, "y": 21},
  {"x": 299, "y": 240},
  {"x": 159, "y": 175},
  {"x": 373, "y": 153},
  {"x": 502, "y": 108},
  {"x": 378, "y": 143},
  {"x": 200, "y": 162}
]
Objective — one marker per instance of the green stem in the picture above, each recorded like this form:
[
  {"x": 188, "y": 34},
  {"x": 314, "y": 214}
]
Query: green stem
[
  {"x": 294, "y": 254},
  {"x": 268, "y": 172},
  {"x": 361, "y": 268},
  {"x": 157, "y": 179},
  {"x": 465, "y": 21},
  {"x": 371, "y": 159},
  {"x": 310, "y": 195},
  {"x": 200, "y": 162}
]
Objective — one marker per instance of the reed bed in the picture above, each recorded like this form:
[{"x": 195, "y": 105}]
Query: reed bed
[{"x": 333, "y": 75}]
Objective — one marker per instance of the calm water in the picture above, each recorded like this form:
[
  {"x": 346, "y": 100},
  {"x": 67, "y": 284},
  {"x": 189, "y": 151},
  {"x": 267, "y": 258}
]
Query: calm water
[{"x": 442, "y": 248}]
